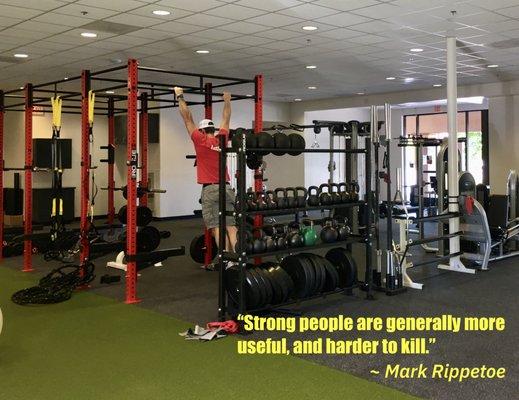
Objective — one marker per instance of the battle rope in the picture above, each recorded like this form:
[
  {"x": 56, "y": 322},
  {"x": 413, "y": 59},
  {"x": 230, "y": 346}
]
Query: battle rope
[{"x": 57, "y": 286}]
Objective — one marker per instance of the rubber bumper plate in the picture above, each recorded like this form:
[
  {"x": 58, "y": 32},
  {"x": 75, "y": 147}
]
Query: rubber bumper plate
[
  {"x": 197, "y": 249},
  {"x": 279, "y": 287},
  {"x": 299, "y": 271},
  {"x": 232, "y": 283},
  {"x": 345, "y": 265},
  {"x": 332, "y": 276},
  {"x": 265, "y": 281},
  {"x": 320, "y": 273},
  {"x": 261, "y": 286}
]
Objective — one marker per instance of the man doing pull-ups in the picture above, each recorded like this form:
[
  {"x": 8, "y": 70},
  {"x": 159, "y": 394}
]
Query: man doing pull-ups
[{"x": 206, "y": 141}]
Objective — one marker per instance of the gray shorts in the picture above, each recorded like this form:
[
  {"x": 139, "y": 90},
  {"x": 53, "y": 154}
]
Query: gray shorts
[{"x": 210, "y": 206}]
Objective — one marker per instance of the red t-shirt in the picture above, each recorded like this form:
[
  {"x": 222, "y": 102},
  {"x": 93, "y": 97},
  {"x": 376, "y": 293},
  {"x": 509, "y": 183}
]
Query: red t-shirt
[{"x": 207, "y": 151}]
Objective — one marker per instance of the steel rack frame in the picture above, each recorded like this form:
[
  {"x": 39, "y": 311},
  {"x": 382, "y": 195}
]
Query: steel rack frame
[{"x": 225, "y": 305}]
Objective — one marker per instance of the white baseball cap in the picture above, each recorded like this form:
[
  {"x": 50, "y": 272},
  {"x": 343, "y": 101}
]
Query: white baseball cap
[{"x": 206, "y": 123}]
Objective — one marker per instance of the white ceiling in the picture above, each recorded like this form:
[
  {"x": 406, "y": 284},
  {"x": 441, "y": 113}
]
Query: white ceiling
[{"x": 358, "y": 44}]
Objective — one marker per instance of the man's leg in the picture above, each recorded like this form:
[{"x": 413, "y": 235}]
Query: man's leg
[
  {"x": 232, "y": 233},
  {"x": 216, "y": 233}
]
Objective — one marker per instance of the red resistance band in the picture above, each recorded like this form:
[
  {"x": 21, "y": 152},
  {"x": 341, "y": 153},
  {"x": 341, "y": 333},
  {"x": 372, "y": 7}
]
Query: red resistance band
[{"x": 228, "y": 326}]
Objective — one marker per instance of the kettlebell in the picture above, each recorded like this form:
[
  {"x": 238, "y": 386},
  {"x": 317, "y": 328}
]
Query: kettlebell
[
  {"x": 259, "y": 243},
  {"x": 324, "y": 196},
  {"x": 301, "y": 193},
  {"x": 252, "y": 205},
  {"x": 313, "y": 196},
  {"x": 270, "y": 244},
  {"x": 294, "y": 237},
  {"x": 261, "y": 204},
  {"x": 270, "y": 199},
  {"x": 329, "y": 234},
  {"x": 343, "y": 230},
  {"x": 354, "y": 191},
  {"x": 343, "y": 191},
  {"x": 291, "y": 197},
  {"x": 281, "y": 196},
  {"x": 334, "y": 193},
  {"x": 309, "y": 233},
  {"x": 248, "y": 242},
  {"x": 279, "y": 237}
]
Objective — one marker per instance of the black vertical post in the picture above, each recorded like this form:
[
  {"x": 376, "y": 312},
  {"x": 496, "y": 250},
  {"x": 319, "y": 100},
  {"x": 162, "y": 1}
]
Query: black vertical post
[
  {"x": 485, "y": 145},
  {"x": 241, "y": 246},
  {"x": 222, "y": 240},
  {"x": 369, "y": 234}
]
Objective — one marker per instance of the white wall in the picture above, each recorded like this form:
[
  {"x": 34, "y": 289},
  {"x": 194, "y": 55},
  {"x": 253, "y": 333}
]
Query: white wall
[{"x": 177, "y": 174}]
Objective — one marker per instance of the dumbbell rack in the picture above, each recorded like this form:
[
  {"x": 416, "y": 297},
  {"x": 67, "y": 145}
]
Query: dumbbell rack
[{"x": 225, "y": 305}]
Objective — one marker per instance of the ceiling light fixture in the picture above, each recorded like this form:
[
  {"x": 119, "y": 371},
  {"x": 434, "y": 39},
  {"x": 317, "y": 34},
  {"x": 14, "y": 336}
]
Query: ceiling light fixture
[
  {"x": 492, "y": 66},
  {"x": 416, "y": 50},
  {"x": 361, "y": 93},
  {"x": 89, "y": 34},
  {"x": 297, "y": 99},
  {"x": 22, "y": 87},
  {"x": 202, "y": 51},
  {"x": 109, "y": 92},
  {"x": 249, "y": 95},
  {"x": 437, "y": 85},
  {"x": 309, "y": 28},
  {"x": 162, "y": 13},
  {"x": 311, "y": 66},
  {"x": 390, "y": 78},
  {"x": 21, "y": 55},
  {"x": 312, "y": 87},
  {"x": 409, "y": 80}
]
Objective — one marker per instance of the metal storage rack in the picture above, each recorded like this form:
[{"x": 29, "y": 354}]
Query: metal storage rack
[{"x": 225, "y": 305}]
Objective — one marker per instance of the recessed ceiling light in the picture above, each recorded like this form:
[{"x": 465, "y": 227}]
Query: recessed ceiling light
[
  {"x": 361, "y": 93},
  {"x": 249, "y": 95},
  {"x": 312, "y": 87},
  {"x": 390, "y": 78},
  {"x": 65, "y": 79},
  {"x": 311, "y": 66},
  {"x": 437, "y": 85},
  {"x": 408, "y": 80},
  {"x": 309, "y": 28},
  {"x": 22, "y": 87},
  {"x": 297, "y": 99},
  {"x": 161, "y": 12},
  {"x": 416, "y": 50},
  {"x": 492, "y": 66},
  {"x": 21, "y": 55},
  {"x": 89, "y": 34},
  {"x": 202, "y": 51},
  {"x": 109, "y": 92}
]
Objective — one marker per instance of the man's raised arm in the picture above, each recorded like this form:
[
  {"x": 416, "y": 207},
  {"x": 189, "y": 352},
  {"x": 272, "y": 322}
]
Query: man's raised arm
[
  {"x": 184, "y": 111},
  {"x": 226, "y": 117}
]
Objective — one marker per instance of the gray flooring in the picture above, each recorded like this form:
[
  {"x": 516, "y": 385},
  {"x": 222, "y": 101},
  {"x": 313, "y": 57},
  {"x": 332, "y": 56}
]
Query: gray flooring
[{"x": 181, "y": 289}]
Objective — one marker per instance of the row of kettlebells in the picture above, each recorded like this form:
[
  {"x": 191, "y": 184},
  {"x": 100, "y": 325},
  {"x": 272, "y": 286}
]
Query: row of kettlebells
[
  {"x": 280, "y": 237},
  {"x": 299, "y": 197}
]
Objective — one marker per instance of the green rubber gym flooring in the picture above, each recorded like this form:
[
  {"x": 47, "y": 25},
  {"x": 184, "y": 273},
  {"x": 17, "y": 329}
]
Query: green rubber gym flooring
[{"x": 92, "y": 347}]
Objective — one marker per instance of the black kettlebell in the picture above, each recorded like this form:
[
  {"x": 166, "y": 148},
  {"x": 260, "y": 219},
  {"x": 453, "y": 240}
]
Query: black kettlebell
[
  {"x": 270, "y": 244},
  {"x": 313, "y": 196},
  {"x": 343, "y": 230},
  {"x": 294, "y": 237},
  {"x": 334, "y": 193},
  {"x": 281, "y": 197},
  {"x": 271, "y": 200},
  {"x": 324, "y": 196},
  {"x": 279, "y": 237},
  {"x": 343, "y": 190},
  {"x": 252, "y": 204},
  {"x": 259, "y": 243},
  {"x": 329, "y": 234},
  {"x": 261, "y": 204},
  {"x": 291, "y": 197},
  {"x": 248, "y": 242},
  {"x": 354, "y": 191},
  {"x": 301, "y": 193}
]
